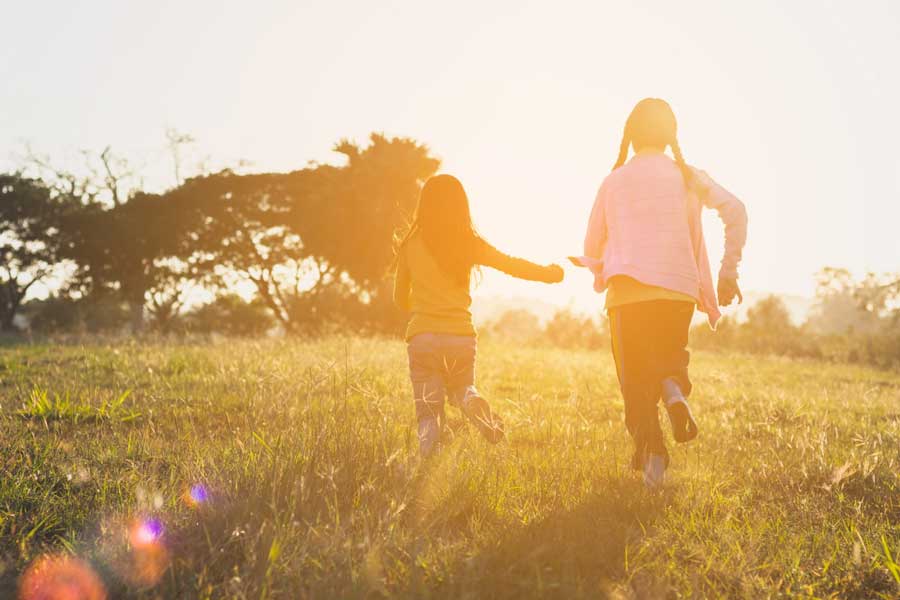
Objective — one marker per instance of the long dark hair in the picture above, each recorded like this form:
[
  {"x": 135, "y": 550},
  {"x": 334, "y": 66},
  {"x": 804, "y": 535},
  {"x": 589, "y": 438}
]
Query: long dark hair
[
  {"x": 445, "y": 223},
  {"x": 652, "y": 123}
]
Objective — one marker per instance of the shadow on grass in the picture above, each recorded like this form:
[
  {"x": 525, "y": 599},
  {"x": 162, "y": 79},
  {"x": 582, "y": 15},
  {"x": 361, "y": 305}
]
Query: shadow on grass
[{"x": 583, "y": 551}]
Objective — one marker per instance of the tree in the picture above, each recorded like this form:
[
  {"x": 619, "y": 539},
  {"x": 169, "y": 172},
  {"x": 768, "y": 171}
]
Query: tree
[
  {"x": 517, "y": 324},
  {"x": 315, "y": 243},
  {"x": 839, "y": 308},
  {"x": 30, "y": 217},
  {"x": 880, "y": 293},
  {"x": 169, "y": 292},
  {"x": 107, "y": 179},
  {"x": 311, "y": 240},
  {"x": 372, "y": 197},
  {"x": 376, "y": 194},
  {"x": 847, "y": 305},
  {"x": 176, "y": 141},
  {"x": 119, "y": 237},
  {"x": 124, "y": 249},
  {"x": 236, "y": 228},
  {"x": 769, "y": 316},
  {"x": 567, "y": 329}
]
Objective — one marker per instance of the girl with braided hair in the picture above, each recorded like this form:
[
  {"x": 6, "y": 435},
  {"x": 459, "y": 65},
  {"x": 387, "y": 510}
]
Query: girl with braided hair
[{"x": 645, "y": 247}]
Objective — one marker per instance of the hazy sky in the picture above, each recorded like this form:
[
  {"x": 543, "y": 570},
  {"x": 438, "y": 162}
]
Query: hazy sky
[{"x": 793, "y": 106}]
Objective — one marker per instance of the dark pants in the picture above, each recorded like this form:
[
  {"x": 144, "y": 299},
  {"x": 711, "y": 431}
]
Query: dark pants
[
  {"x": 440, "y": 365},
  {"x": 649, "y": 342}
]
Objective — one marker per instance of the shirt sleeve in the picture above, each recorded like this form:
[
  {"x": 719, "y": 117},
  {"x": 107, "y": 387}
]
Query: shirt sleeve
[
  {"x": 733, "y": 214},
  {"x": 520, "y": 268},
  {"x": 595, "y": 238},
  {"x": 401, "y": 282}
]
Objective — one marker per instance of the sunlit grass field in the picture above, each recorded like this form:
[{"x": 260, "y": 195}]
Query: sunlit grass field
[{"x": 289, "y": 469}]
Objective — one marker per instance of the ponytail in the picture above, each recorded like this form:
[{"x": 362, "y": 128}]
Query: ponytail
[{"x": 623, "y": 149}]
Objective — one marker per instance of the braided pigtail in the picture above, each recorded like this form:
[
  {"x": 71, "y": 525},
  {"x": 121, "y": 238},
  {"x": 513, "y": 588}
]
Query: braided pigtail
[
  {"x": 686, "y": 173},
  {"x": 623, "y": 150}
]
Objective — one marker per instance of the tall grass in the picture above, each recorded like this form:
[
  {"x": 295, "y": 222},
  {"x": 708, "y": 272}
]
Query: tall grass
[{"x": 308, "y": 453}]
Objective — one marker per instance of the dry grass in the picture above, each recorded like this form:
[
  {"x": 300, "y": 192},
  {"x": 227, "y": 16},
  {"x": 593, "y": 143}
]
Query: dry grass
[{"x": 308, "y": 452}]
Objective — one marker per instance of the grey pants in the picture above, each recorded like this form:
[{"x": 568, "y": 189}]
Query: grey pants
[{"x": 440, "y": 366}]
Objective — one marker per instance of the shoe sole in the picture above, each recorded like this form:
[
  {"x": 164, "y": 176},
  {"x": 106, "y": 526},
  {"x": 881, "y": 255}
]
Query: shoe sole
[
  {"x": 684, "y": 428},
  {"x": 489, "y": 424}
]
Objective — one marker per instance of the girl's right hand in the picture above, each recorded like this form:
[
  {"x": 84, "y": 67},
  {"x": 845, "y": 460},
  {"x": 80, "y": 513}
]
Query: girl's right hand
[{"x": 555, "y": 273}]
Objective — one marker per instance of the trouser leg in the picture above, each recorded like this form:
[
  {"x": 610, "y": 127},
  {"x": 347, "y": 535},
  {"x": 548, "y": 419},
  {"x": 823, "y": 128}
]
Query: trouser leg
[
  {"x": 426, "y": 374},
  {"x": 632, "y": 346},
  {"x": 670, "y": 359},
  {"x": 459, "y": 367}
]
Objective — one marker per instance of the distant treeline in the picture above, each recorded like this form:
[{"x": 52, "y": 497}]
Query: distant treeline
[
  {"x": 308, "y": 251},
  {"x": 312, "y": 246},
  {"x": 852, "y": 321}
]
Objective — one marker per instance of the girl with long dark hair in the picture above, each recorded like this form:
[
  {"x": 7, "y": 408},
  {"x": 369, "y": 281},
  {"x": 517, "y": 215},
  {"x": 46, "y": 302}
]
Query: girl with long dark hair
[{"x": 435, "y": 262}]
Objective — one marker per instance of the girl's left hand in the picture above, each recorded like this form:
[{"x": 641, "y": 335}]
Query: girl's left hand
[{"x": 727, "y": 290}]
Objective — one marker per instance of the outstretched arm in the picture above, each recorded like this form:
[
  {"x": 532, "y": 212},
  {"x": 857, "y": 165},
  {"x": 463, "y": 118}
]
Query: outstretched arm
[
  {"x": 734, "y": 216},
  {"x": 401, "y": 282},
  {"x": 517, "y": 267}
]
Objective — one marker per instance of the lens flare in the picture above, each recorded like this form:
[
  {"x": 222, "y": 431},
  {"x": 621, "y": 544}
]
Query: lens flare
[
  {"x": 61, "y": 577},
  {"x": 146, "y": 532},
  {"x": 196, "y": 495},
  {"x": 149, "y": 557}
]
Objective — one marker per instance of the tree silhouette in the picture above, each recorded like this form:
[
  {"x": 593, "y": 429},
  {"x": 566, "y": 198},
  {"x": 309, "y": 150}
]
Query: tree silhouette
[
  {"x": 313, "y": 242},
  {"x": 123, "y": 249},
  {"x": 376, "y": 196},
  {"x": 769, "y": 316},
  {"x": 236, "y": 228},
  {"x": 376, "y": 193},
  {"x": 30, "y": 217}
]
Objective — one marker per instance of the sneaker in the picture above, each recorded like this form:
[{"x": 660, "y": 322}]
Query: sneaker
[
  {"x": 479, "y": 412},
  {"x": 654, "y": 471},
  {"x": 429, "y": 437},
  {"x": 684, "y": 428}
]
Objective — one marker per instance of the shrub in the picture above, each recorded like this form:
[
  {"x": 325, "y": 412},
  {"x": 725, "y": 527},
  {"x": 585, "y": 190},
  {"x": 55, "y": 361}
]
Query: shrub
[
  {"x": 569, "y": 330},
  {"x": 518, "y": 325},
  {"x": 768, "y": 330},
  {"x": 94, "y": 314},
  {"x": 229, "y": 315}
]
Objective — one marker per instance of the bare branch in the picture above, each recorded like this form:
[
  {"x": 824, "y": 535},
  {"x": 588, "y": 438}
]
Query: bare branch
[{"x": 176, "y": 140}]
